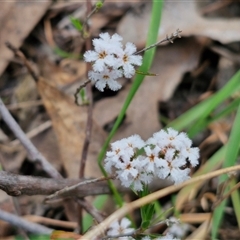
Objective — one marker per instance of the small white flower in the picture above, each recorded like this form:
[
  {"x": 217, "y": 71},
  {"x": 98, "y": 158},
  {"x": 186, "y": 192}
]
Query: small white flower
[
  {"x": 168, "y": 138},
  {"x": 167, "y": 237},
  {"x": 109, "y": 164},
  {"x": 172, "y": 139},
  {"x": 126, "y": 59},
  {"x": 158, "y": 139},
  {"x": 177, "y": 229},
  {"x": 120, "y": 228},
  {"x": 142, "y": 177},
  {"x": 133, "y": 142},
  {"x": 173, "y": 169},
  {"x": 105, "y": 78},
  {"x": 100, "y": 59},
  {"x": 127, "y": 169},
  {"x": 103, "y": 54},
  {"x": 116, "y": 156},
  {"x": 192, "y": 155},
  {"x": 111, "y": 43},
  {"x": 118, "y": 148},
  {"x": 152, "y": 161},
  {"x": 179, "y": 175}
]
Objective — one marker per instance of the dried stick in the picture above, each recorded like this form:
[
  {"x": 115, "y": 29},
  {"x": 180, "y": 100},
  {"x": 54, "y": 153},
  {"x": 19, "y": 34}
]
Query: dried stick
[
  {"x": 50, "y": 222},
  {"x": 15, "y": 205},
  {"x": 22, "y": 105},
  {"x": 91, "y": 210},
  {"x": 90, "y": 106},
  {"x": 88, "y": 129},
  {"x": 24, "y": 224},
  {"x": 33, "y": 154},
  {"x": 167, "y": 39},
  {"x": 34, "y": 132},
  {"x": 65, "y": 191},
  {"x": 16, "y": 185}
]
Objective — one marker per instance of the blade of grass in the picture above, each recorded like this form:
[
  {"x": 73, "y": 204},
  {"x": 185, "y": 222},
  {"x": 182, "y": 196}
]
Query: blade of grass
[
  {"x": 147, "y": 62},
  {"x": 191, "y": 115},
  {"x": 203, "y": 109},
  {"x": 231, "y": 107},
  {"x": 64, "y": 54},
  {"x": 230, "y": 160},
  {"x": 227, "y": 110}
]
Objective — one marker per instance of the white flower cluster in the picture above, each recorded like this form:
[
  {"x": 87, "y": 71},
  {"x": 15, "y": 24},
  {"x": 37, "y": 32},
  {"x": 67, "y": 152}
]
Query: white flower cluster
[
  {"x": 168, "y": 155},
  {"x": 177, "y": 228},
  {"x": 111, "y": 61},
  {"x": 122, "y": 228}
]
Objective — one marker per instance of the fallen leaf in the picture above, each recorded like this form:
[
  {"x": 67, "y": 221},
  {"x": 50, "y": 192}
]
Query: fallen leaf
[
  {"x": 69, "y": 123},
  {"x": 18, "y": 18},
  {"x": 178, "y": 15},
  {"x": 46, "y": 143}
]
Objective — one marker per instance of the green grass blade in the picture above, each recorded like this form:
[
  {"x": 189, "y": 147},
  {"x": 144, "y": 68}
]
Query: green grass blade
[
  {"x": 201, "y": 125},
  {"x": 236, "y": 200},
  {"x": 232, "y": 107},
  {"x": 64, "y": 54},
  {"x": 203, "y": 109},
  {"x": 147, "y": 62},
  {"x": 230, "y": 160}
]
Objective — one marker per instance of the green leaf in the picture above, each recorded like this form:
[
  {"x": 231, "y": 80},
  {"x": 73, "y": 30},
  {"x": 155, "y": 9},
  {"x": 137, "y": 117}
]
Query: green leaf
[
  {"x": 145, "y": 225},
  {"x": 146, "y": 73},
  {"x": 202, "y": 110},
  {"x": 76, "y": 23},
  {"x": 230, "y": 160}
]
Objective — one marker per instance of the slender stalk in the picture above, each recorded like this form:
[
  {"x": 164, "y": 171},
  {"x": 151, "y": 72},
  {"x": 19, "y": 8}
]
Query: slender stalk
[{"x": 147, "y": 62}]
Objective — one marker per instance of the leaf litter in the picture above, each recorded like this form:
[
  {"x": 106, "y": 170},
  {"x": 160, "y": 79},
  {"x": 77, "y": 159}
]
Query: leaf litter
[{"x": 173, "y": 64}]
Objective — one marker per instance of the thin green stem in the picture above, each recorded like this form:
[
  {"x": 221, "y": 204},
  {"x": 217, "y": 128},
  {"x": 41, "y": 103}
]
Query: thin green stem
[{"x": 147, "y": 62}]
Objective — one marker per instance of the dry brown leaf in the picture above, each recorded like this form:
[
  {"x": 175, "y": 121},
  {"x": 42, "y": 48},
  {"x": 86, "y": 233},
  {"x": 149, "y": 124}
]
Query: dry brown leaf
[
  {"x": 17, "y": 19},
  {"x": 69, "y": 122},
  {"x": 46, "y": 143},
  {"x": 68, "y": 71},
  {"x": 26, "y": 90},
  {"x": 178, "y": 15},
  {"x": 170, "y": 63}
]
